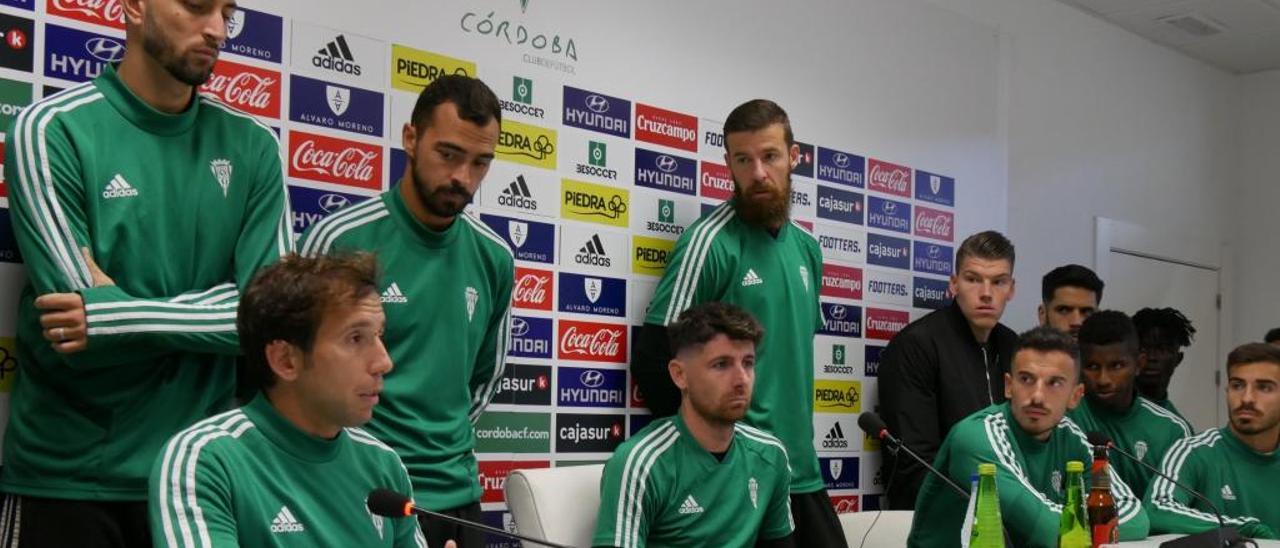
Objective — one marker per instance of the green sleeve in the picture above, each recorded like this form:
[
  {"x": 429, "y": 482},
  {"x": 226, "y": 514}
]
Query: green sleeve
[
  {"x": 1172, "y": 508},
  {"x": 777, "y": 521},
  {"x": 407, "y": 532},
  {"x": 623, "y": 521},
  {"x": 190, "y": 502},
  {"x": 1029, "y": 515},
  {"x": 491, "y": 359},
  {"x": 693, "y": 275}
]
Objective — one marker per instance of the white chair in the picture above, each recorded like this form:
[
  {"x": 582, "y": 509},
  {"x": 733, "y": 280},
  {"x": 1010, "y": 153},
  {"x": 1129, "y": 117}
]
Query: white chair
[
  {"x": 890, "y": 531},
  {"x": 556, "y": 504}
]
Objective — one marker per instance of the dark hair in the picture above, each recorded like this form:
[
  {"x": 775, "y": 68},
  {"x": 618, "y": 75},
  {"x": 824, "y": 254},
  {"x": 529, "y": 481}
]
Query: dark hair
[
  {"x": 287, "y": 302},
  {"x": 703, "y": 322},
  {"x": 1171, "y": 323},
  {"x": 1108, "y": 327},
  {"x": 1273, "y": 335},
  {"x": 1072, "y": 275},
  {"x": 475, "y": 101},
  {"x": 1048, "y": 339},
  {"x": 989, "y": 245},
  {"x": 755, "y": 115},
  {"x": 1253, "y": 353}
]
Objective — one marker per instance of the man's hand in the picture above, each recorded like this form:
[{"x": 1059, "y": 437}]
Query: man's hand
[{"x": 63, "y": 319}]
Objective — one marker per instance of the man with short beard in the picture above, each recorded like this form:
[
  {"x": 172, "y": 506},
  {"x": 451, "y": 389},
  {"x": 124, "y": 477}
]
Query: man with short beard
[
  {"x": 141, "y": 209},
  {"x": 1235, "y": 466},
  {"x": 701, "y": 477},
  {"x": 748, "y": 252},
  {"x": 447, "y": 285}
]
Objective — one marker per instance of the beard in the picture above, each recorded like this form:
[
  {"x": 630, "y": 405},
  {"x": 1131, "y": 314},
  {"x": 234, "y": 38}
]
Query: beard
[
  {"x": 166, "y": 54},
  {"x": 437, "y": 201},
  {"x": 718, "y": 414},
  {"x": 764, "y": 212},
  {"x": 1255, "y": 425}
]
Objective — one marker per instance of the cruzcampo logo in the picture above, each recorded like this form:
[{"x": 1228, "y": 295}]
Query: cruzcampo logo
[
  {"x": 597, "y": 154},
  {"x": 666, "y": 211},
  {"x": 527, "y": 144},
  {"x": 522, "y": 90},
  {"x": 14, "y": 96},
  {"x": 506, "y": 432},
  {"x": 837, "y": 354},
  {"x": 8, "y": 364}
]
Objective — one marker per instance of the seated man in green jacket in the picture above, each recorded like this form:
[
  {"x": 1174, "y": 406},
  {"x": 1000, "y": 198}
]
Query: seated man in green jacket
[{"x": 1030, "y": 440}]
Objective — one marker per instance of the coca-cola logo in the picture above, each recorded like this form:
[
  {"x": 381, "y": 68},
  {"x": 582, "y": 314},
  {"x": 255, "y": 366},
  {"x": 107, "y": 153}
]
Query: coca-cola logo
[
  {"x": 532, "y": 289},
  {"x": 245, "y": 90},
  {"x": 592, "y": 342},
  {"x": 935, "y": 224},
  {"x": 103, "y": 12},
  {"x": 890, "y": 178},
  {"x": 335, "y": 160}
]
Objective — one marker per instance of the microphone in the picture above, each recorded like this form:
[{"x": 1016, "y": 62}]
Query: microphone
[
  {"x": 872, "y": 424},
  {"x": 391, "y": 504},
  {"x": 1223, "y": 536}
]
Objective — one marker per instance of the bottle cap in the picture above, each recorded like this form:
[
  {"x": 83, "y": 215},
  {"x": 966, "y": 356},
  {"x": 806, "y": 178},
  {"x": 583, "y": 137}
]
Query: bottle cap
[
  {"x": 987, "y": 469},
  {"x": 1075, "y": 466}
]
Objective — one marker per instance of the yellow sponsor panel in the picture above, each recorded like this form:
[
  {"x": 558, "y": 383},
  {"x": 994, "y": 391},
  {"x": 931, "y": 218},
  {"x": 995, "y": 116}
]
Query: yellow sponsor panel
[
  {"x": 649, "y": 256},
  {"x": 869, "y": 443},
  {"x": 412, "y": 69},
  {"x": 527, "y": 144},
  {"x": 8, "y": 364},
  {"x": 837, "y": 396},
  {"x": 594, "y": 203}
]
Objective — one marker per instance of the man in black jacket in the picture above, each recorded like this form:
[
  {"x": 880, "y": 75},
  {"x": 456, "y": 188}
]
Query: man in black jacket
[{"x": 950, "y": 363}]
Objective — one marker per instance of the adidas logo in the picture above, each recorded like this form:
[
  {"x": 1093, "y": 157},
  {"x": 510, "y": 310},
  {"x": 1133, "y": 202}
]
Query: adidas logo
[
  {"x": 751, "y": 278},
  {"x": 119, "y": 188},
  {"x": 835, "y": 438},
  {"x": 336, "y": 55},
  {"x": 592, "y": 253},
  {"x": 517, "y": 195},
  {"x": 285, "y": 522},
  {"x": 690, "y": 506},
  {"x": 393, "y": 295},
  {"x": 1227, "y": 494}
]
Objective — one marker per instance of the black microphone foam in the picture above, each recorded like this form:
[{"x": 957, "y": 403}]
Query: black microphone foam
[
  {"x": 1098, "y": 438},
  {"x": 388, "y": 503},
  {"x": 871, "y": 423}
]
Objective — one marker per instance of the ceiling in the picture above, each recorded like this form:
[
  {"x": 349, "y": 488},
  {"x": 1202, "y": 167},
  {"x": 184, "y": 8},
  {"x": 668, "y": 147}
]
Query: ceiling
[{"x": 1245, "y": 33}]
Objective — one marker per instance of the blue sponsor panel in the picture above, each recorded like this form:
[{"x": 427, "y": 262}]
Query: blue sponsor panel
[
  {"x": 9, "y": 252},
  {"x": 668, "y": 172},
  {"x": 529, "y": 240},
  {"x": 871, "y": 502},
  {"x": 932, "y": 259},
  {"x": 530, "y": 337},
  {"x": 840, "y": 472},
  {"x": 501, "y": 520},
  {"x": 398, "y": 160},
  {"x": 593, "y": 295},
  {"x": 930, "y": 293},
  {"x": 935, "y": 189},
  {"x": 888, "y": 251},
  {"x": 707, "y": 209},
  {"x": 24, "y": 4},
  {"x": 804, "y": 168},
  {"x": 77, "y": 55},
  {"x": 835, "y": 166},
  {"x": 310, "y": 205},
  {"x": 335, "y": 106},
  {"x": 591, "y": 387},
  {"x": 841, "y": 320},
  {"x": 871, "y": 360},
  {"x": 597, "y": 112},
  {"x": 888, "y": 214},
  {"x": 839, "y": 205},
  {"x": 637, "y": 422},
  {"x": 255, "y": 34}
]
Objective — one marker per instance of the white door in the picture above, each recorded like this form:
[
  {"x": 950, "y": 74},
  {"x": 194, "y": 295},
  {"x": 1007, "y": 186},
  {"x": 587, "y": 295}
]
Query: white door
[{"x": 1143, "y": 269}]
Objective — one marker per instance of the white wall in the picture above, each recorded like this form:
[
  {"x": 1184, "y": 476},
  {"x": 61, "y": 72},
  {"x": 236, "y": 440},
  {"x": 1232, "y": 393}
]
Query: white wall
[{"x": 1254, "y": 212}]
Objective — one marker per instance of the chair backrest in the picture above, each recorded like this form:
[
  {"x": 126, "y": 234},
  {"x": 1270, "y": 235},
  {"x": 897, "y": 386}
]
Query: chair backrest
[
  {"x": 889, "y": 531},
  {"x": 556, "y": 504}
]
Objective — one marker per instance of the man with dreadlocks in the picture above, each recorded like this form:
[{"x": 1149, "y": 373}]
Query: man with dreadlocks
[{"x": 1162, "y": 334}]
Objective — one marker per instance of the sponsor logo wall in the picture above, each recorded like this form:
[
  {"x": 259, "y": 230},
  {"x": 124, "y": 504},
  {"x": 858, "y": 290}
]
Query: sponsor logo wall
[{"x": 591, "y": 188}]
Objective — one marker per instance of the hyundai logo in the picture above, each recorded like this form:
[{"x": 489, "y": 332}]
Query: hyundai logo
[
  {"x": 934, "y": 251},
  {"x": 333, "y": 202},
  {"x": 591, "y": 378},
  {"x": 519, "y": 327},
  {"x": 841, "y": 159},
  {"x": 838, "y": 312},
  {"x": 890, "y": 208},
  {"x": 597, "y": 103},
  {"x": 666, "y": 163},
  {"x": 105, "y": 49}
]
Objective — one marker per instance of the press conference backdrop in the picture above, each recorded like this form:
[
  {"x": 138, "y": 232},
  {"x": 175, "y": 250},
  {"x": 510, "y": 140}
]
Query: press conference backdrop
[{"x": 611, "y": 147}]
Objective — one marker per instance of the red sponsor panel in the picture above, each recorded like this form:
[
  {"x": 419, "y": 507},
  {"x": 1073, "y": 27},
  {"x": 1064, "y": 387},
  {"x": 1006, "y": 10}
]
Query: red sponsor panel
[
  {"x": 845, "y": 504},
  {"x": 250, "y": 89},
  {"x": 932, "y": 223},
  {"x": 884, "y": 324},
  {"x": 888, "y": 178},
  {"x": 807, "y": 225},
  {"x": 666, "y": 128},
  {"x": 108, "y": 13},
  {"x": 336, "y": 161},
  {"x": 637, "y": 399},
  {"x": 844, "y": 282},
  {"x": 717, "y": 181},
  {"x": 592, "y": 342},
  {"x": 493, "y": 476},
  {"x": 534, "y": 289},
  {"x": 4, "y": 189}
]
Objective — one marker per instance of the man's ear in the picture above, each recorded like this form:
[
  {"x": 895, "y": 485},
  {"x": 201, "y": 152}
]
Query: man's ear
[
  {"x": 133, "y": 11},
  {"x": 285, "y": 360},
  {"x": 675, "y": 368}
]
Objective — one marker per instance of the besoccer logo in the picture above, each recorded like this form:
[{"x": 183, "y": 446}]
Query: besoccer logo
[
  {"x": 666, "y": 211},
  {"x": 597, "y": 154},
  {"x": 522, "y": 90},
  {"x": 837, "y": 354}
]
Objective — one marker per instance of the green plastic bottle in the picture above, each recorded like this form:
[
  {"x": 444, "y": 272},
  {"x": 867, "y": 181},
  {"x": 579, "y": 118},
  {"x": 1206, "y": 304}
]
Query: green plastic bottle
[
  {"x": 1073, "y": 528},
  {"x": 988, "y": 527}
]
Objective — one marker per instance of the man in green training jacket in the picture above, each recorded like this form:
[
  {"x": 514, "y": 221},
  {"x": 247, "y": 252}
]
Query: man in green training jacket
[
  {"x": 701, "y": 477},
  {"x": 1111, "y": 404},
  {"x": 291, "y": 468},
  {"x": 1236, "y": 466},
  {"x": 1029, "y": 439},
  {"x": 447, "y": 293},
  {"x": 141, "y": 209}
]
